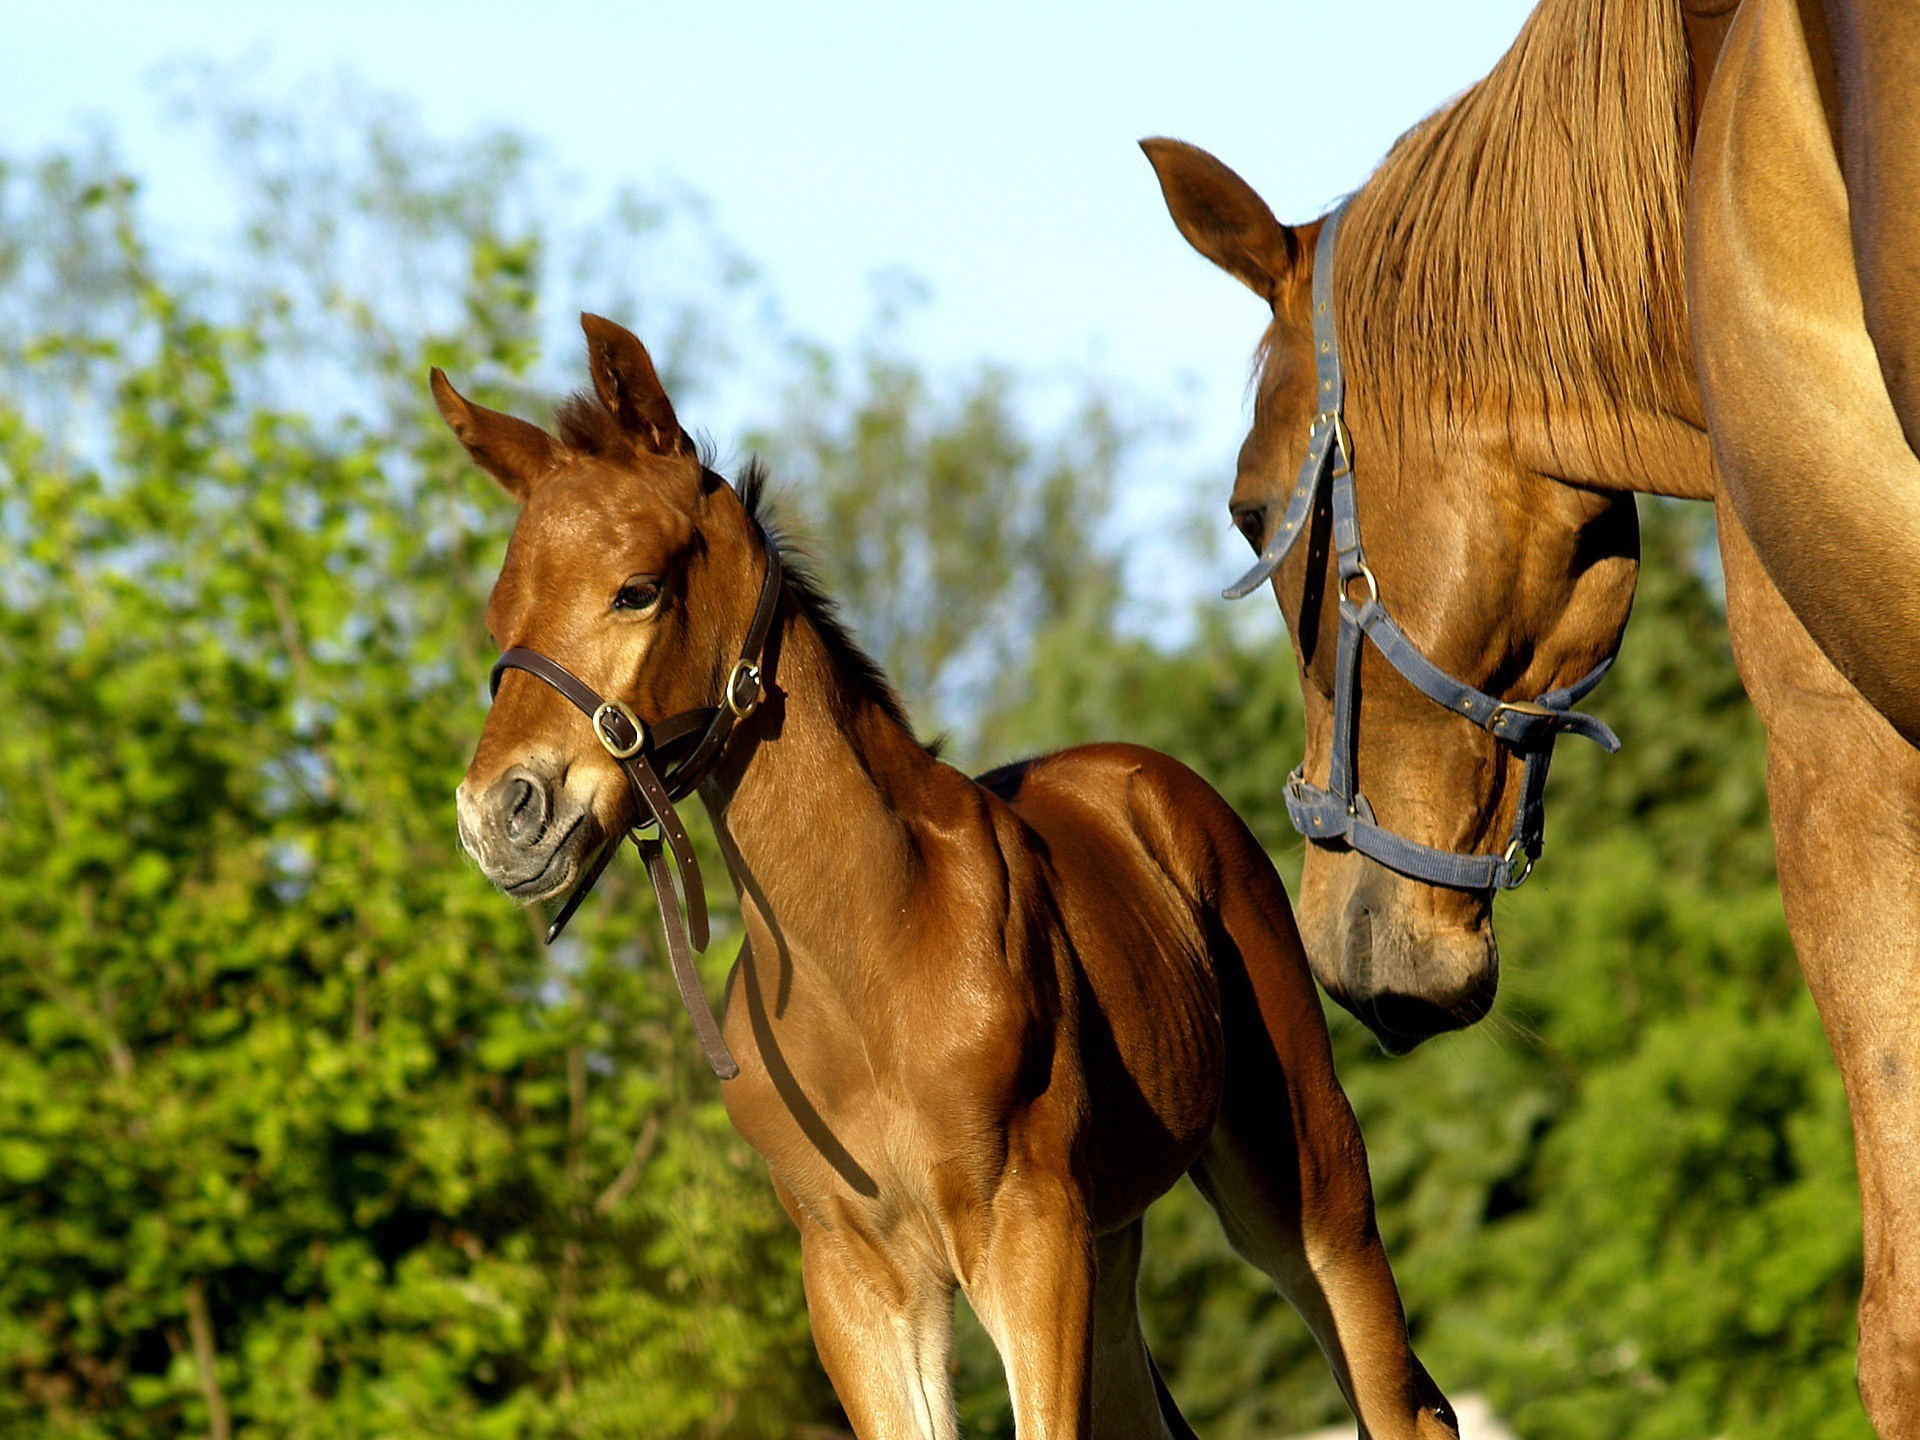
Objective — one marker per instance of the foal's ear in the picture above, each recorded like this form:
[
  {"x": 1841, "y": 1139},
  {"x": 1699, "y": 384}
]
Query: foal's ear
[
  {"x": 513, "y": 451},
  {"x": 1223, "y": 218},
  {"x": 624, "y": 378}
]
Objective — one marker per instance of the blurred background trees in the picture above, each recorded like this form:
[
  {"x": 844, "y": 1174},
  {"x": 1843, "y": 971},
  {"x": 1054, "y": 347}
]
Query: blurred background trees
[{"x": 301, "y": 1133}]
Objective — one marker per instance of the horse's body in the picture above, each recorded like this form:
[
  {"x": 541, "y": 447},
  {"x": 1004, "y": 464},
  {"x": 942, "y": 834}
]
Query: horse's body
[
  {"x": 1668, "y": 250},
  {"x": 979, "y": 1025}
]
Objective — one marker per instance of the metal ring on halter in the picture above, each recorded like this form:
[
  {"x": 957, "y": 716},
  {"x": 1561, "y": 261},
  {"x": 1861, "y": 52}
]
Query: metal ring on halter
[
  {"x": 1373, "y": 587},
  {"x": 1515, "y": 850},
  {"x": 619, "y": 752},
  {"x": 748, "y": 671}
]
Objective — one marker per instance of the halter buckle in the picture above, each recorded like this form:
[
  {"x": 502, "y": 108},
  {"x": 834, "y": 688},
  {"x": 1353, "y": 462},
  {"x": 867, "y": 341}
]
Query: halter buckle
[
  {"x": 750, "y": 672},
  {"x": 619, "y": 752},
  {"x": 1517, "y": 851},
  {"x": 1496, "y": 721}
]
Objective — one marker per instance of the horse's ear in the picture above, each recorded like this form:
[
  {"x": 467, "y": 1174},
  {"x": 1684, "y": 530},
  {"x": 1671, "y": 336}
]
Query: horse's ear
[
  {"x": 624, "y": 378},
  {"x": 1223, "y": 218},
  {"x": 513, "y": 451}
]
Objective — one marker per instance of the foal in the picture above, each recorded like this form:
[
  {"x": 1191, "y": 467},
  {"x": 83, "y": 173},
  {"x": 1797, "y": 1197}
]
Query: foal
[{"x": 980, "y": 1025}]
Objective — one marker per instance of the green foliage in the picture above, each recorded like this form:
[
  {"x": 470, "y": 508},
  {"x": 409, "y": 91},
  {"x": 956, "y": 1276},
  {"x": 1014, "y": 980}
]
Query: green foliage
[
  {"x": 299, "y": 1130},
  {"x": 302, "y": 1134}
]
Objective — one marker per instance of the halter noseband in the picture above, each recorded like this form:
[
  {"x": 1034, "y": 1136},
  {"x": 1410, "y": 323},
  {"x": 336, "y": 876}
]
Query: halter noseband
[
  {"x": 663, "y": 764},
  {"x": 1340, "y": 813}
]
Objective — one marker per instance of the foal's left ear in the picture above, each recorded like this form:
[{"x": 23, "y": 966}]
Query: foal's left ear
[{"x": 624, "y": 378}]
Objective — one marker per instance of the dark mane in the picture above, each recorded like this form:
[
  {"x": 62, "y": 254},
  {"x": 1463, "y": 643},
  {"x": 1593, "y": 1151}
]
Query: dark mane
[
  {"x": 1528, "y": 237},
  {"x": 821, "y": 612}
]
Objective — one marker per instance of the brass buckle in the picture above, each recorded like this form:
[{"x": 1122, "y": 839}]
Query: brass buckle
[
  {"x": 1496, "y": 722},
  {"x": 639, "y": 730},
  {"x": 750, "y": 672},
  {"x": 1516, "y": 850}
]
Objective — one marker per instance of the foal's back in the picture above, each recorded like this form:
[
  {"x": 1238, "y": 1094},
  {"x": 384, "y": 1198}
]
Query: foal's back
[{"x": 1163, "y": 900}]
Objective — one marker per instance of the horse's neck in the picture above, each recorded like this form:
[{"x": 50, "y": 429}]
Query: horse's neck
[
  {"x": 1657, "y": 449},
  {"x": 1523, "y": 256},
  {"x": 812, "y": 814}
]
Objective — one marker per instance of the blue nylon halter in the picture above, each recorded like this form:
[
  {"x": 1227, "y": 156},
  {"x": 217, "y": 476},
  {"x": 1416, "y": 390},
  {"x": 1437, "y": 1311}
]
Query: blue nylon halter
[{"x": 1339, "y": 813}]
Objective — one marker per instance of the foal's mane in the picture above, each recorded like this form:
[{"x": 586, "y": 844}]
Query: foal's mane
[
  {"x": 859, "y": 668},
  {"x": 1527, "y": 239}
]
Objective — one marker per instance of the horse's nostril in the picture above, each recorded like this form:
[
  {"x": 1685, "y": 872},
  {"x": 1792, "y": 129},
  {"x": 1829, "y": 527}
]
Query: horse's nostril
[{"x": 525, "y": 804}]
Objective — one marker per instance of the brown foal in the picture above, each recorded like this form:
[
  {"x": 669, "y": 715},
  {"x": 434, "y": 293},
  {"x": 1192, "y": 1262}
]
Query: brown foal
[{"x": 980, "y": 1025}]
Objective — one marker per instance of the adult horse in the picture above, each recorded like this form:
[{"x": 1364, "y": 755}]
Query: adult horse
[
  {"x": 1656, "y": 250},
  {"x": 975, "y": 1027}
]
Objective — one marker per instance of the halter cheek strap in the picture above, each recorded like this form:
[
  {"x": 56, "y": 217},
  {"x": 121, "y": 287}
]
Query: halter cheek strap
[
  {"x": 639, "y": 753},
  {"x": 1340, "y": 813}
]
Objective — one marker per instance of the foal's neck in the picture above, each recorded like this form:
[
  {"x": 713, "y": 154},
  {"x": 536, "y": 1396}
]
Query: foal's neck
[{"x": 815, "y": 804}]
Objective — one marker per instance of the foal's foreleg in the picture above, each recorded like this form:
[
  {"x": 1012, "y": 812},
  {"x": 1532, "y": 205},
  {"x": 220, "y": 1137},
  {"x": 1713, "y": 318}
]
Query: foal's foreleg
[
  {"x": 885, "y": 1338},
  {"x": 1129, "y": 1403},
  {"x": 1033, "y": 1291}
]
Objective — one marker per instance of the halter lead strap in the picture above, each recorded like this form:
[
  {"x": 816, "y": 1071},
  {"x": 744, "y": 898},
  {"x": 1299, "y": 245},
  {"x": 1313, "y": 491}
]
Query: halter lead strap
[
  {"x": 1340, "y": 812},
  {"x": 626, "y": 738}
]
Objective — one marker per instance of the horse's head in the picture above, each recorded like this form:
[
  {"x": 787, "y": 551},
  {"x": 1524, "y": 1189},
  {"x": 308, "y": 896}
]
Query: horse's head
[
  {"x": 622, "y": 569},
  {"x": 1500, "y": 575}
]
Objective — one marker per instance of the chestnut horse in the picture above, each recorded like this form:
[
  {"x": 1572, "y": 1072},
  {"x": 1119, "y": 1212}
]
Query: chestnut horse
[
  {"x": 1659, "y": 249},
  {"x": 979, "y": 1025}
]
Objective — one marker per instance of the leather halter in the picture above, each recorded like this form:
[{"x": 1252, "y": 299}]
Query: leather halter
[
  {"x": 1340, "y": 813},
  {"x": 664, "y": 763}
]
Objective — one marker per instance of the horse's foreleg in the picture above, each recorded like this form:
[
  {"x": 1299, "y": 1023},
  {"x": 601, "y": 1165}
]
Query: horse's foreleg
[
  {"x": 884, "y": 1337},
  {"x": 1845, "y": 795},
  {"x": 1286, "y": 1171},
  {"x": 1033, "y": 1291}
]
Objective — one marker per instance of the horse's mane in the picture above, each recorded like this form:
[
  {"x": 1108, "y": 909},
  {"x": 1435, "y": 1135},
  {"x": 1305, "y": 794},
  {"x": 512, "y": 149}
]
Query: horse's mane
[
  {"x": 860, "y": 668},
  {"x": 1527, "y": 239}
]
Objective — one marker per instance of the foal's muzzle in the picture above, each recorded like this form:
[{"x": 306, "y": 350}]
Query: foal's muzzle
[{"x": 524, "y": 833}]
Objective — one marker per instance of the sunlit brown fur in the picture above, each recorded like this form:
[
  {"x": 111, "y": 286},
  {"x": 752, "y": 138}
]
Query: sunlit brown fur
[
  {"x": 980, "y": 1025},
  {"x": 1509, "y": 292}
]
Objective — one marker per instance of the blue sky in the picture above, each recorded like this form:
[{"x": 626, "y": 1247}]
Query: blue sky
[{"x": 987, "y": 148}]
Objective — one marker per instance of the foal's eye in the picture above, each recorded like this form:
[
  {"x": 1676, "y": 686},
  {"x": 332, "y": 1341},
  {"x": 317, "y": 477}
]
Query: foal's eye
[
  {"x": 637, "y": 595},
  {"x": 1252, "y": 523}
]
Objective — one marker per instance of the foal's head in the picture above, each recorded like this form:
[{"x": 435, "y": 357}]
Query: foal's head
[
  {"x": 1502, "y": 577},
  {"x": 633, "y": 566}
]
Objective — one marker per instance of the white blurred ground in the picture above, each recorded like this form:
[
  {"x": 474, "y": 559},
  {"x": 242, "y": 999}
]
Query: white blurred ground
[{"x": 1477, "y": 1422}]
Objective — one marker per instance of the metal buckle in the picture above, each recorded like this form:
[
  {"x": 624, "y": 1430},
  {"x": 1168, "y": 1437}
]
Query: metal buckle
[
  {"x": 743, "y": 670},
  {"x": 1344, "y": 440},
  {"x": 639, "y": 730},
  {"x": 1496, "y": 722},
  {"x": 1516, "y": 849}
]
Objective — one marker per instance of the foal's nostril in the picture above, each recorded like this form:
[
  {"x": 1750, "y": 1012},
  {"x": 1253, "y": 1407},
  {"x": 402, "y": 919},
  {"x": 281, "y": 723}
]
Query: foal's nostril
[{"x": 524, "y": 804}]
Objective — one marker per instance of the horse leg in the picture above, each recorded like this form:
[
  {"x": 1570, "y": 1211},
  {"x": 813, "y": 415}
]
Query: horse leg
[
  {"x": 1129, "y": 1402},
  {"x": 884, "y": 1337},
  {"x": 1811, "y": 446},
  {"x": 1844, "y": 790},
  {"x": 1033, "y": 1291},
  {"x": 1286, "y": 1170}
]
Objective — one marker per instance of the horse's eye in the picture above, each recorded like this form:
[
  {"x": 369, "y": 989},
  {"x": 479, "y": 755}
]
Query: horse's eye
[
  {"x": 1252, "y": 523},
  {"x": 637, "y": 595}
]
